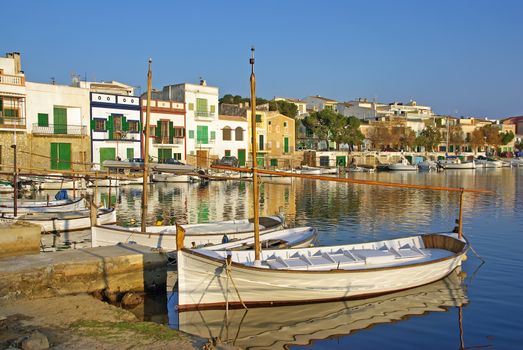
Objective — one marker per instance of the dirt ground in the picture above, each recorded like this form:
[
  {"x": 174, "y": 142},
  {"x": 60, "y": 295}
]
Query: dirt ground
[{"x": 83, "y": 322}]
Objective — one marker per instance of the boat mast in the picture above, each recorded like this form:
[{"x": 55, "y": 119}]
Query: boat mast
[
  {"x": 146, "y": 147},
  {"x": 255, "y": 195}
]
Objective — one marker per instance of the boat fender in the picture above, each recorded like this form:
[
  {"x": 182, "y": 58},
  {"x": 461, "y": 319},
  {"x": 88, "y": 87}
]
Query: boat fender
[{"x": 225, "y": 239}]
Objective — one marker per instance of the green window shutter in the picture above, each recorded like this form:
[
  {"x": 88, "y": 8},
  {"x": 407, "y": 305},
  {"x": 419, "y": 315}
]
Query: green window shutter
[
  {"x": 201, "y": 105},
  {"x": 213, "y": 108},
  {"x": 241, "y": 157},
  {"x": 110, "y": 127},
  {"x": 93, "y": 124},
  {"x": 286, "y": 144},
  {"x": 54, "y": 156},
  {"x": 171, "y": 133},
  {"x": 43, "y": 119},
  {"x": 202, "y": 134},
  {"x": 227, "y": 153},
  {"x": 191, "y": 106},
  {"x": 191, "y": 134},
  {"x": 213, "y": 135},
  {"x": 60, "y": 120},
  {"x": 125, "y": 124},
  {"x": 258, "y": 118},
  {"x": 64, "y": 153},
  {"x": 130, "y": 152},
  {"x": 274, "y": 162},
  {"x": 158, "y": 130}
]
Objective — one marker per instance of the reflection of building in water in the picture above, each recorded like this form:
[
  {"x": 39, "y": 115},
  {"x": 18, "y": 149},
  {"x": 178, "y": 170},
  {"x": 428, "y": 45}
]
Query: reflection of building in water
[{"x": 276, "y": 196}]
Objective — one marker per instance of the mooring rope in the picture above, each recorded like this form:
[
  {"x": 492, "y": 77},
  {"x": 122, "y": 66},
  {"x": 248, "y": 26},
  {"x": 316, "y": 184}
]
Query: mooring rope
[{"x": 228, "y": 263}]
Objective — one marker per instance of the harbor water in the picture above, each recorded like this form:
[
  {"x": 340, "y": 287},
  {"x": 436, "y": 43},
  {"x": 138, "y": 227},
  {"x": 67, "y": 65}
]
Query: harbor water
[{"x": 479, "y": 307}]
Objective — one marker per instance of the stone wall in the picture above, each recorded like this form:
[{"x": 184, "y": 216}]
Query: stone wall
[{"x": 19, "y": 238}]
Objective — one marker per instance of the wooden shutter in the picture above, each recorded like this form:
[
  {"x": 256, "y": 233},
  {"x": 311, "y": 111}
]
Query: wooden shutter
[
  {"x": 43, "y": 119},
  {"x": 110, "y": 127},
  {"x": 171, "y": 133}
]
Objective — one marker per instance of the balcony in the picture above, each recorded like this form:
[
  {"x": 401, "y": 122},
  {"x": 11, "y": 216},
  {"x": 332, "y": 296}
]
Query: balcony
[
  {"x": 59, "y": 129},
  {"x": 166, "y": 141},
  {"x": 15, "y": 80},
  {"x": 11, "y": 122},
  {"x": 204, "y": 115}
]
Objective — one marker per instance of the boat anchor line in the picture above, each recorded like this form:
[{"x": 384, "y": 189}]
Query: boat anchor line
[{"x": 228, "y": 263}]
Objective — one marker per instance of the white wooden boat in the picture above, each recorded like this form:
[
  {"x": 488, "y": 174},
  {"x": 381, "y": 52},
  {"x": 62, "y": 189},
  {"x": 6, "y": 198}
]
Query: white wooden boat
[
  {"x": 6, "y": 187},
  {"x": 293, "y": 276},
  {"x": 484, "y": 162},
  {"x": 309, "y": 170},
  {"x": 195, "y": 234},
  {"x": 169, "y": 177},
  {"x": 403, "y": 165},
  {"x": 60, "y": 206},
  {"x": 53, "y": 183},
  {"x": 360, "y": 169},
  {"x": 456, "y": 163},
  {"x": 428, "y": 165},
  {"x": 283, "y": 326},
  {"x": 65, "y": 221},
  {"x": 516, "y": 162},
  {"x": 166, "y": 240},
  {"x": 275, "y": 179}
]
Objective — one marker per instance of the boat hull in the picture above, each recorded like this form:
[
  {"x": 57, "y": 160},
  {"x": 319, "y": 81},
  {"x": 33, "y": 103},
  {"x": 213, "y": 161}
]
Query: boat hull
[
  {"x": 61, "y": 206},
  {"x": 171, "y": 178},
  {"x": 203, "y": 281}
]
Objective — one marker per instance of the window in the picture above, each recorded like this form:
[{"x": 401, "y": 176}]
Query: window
[
  {"x": 133, "y": 126},
  {"x": 179, "y": 132},
  {"x": 284, "y": 124},
  {"x": 238, "y": 134},
  {"x": 213, "y": 135},
  {"x": 258, "y": 118},
  {"x": 227, "y": 152},
  {"x": 201, "y": 105},
  {"x": 191, "y": 106},
  {"x": 191, "y": 134},
  {"x": 213, "y": 108},
  {"x": 164, "y": 131},
  {"x": 226, "y": 133},
  {"x": 117, "y": 123},
  {"x": 99, "y": 125},
  {"x": 152, "y": 130},
  {"x": 43, "y": 119},
  {"x": 202, "y": 134}
]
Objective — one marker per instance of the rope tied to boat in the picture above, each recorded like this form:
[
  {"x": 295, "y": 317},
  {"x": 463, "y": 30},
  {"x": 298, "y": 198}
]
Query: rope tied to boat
[{"x": 228, "y": 264}]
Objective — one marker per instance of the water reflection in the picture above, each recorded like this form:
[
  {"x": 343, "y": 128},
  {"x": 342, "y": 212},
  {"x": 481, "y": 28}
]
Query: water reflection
[{"x": 279, "y": 327}]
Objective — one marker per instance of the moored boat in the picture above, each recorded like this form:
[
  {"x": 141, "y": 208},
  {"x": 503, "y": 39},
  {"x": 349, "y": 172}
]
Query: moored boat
[
  {"x": 293, "y": 276},
  {"x": 195, "y": 234},
  {"x": 428, "y": 165},
  {"x": 65, "y": 221},
  {"x": 51, "y": 206},
  {"x": 456, "y": 163},
  {"x": 169, "y": 177},
  {"x": 403, "y": 165},
  {"x": 485, "y": 162}
]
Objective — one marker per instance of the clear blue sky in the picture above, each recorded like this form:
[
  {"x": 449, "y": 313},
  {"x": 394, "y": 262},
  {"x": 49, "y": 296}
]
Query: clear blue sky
[{"x": 461, "y": 57}]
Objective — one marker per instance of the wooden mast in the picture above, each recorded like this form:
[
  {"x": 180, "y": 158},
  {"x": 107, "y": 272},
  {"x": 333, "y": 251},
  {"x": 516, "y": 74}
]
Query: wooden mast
[
  {"x": 255, "y": 195},
  {"x": 460, "y": 220},
  {"x": 146, "y": 147}
]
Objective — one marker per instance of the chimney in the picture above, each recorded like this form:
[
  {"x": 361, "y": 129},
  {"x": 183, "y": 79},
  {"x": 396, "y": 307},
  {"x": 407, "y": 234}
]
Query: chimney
[
  {"x": 203, "y": 82},
  {"x": 18, "y": 63}
]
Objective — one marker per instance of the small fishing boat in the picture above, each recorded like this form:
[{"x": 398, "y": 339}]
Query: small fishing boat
[
  {"x": 403, "y": 165},
  {"x": 40, "y": 183},
  {"x": 485, "y": 162},
  {"x": 306, "y": 275},
  {"x": 24, "y": 206},
  {"x": 166, "y": 239},
  {"x": 6, "y": 187},
  {"x": 64, "y": 221},
  {"x": 170, "y": 177},
  {"x": 283, "y": 326},
  {"x": 195, "y": 234},
  {"x": 456, "y": 163},
  {"x": 428, "y": 165},
  {"x": 360, "y": 169},
  {"x": 516, "y": 162}
]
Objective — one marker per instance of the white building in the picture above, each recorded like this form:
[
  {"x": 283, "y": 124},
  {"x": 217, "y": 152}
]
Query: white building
[
  {"x": 301, "y": 105},
  {"x": 201, "y": 103},
  {"x": 232, "y": 138},
  {"x": 115, "y": 127},
  {"x": 360, "y": 108},
  {"x": 319, "y": 103},
  {"x": 167, "y": 129}
]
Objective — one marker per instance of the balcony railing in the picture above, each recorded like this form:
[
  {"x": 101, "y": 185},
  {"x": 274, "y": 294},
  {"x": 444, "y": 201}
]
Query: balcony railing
[
  {"x": 12, "y": 80},
  {"x": 166, "y": 141},
  {"x": 11, "y": 122},
  {"x": 59, "y": 129},
  {"x": 204, "y": 115}
]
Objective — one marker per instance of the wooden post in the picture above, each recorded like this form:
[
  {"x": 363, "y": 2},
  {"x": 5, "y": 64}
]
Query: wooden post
[
  {"x": 48, "y": 199},
  {"x": 93, "y": 211},
  {"x": 109, "y": 200},
  {"x": 146, "y": 147},
  {"x": 460, "y": 223},
  {"x": 180, "y": 237},
  {"x": 74, "y": 186},
  {"x": 255, "y": 193},
  {"x": 15, "y": 182}
]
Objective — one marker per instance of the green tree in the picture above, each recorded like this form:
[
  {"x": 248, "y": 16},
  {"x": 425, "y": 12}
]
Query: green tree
[
  {"x": 379, "y": 136},
  {"x": 229, "y": 99},
  {"x": 456, "y": 135},
  {"x": 507, "y": 137},
  {"x": 429, "y": 138},
  {"x": 492, "y": 136},
  {"x": 288, "y": 109},
  {"x": 319, "y": 123},
  {"x": 477, "y": 139},
  {"x": 345, "y": 130}
]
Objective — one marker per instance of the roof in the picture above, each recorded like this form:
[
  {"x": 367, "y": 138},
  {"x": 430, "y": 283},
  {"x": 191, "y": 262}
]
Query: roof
[
  {"x": 236, "y": 118},
  {"x": 289, "y": 99},
  {"x": 323, "y": 98}
]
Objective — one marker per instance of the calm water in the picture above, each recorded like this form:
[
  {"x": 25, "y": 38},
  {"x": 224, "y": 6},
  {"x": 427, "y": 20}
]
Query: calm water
[{"x": 490, "y": 297}]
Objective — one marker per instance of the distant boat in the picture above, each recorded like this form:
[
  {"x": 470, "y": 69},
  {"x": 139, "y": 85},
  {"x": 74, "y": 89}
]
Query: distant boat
[
  {"x": 281, "y": 327},
  {"x": 169, "y": 177},
  {"x": 53, "y": 206},
  {"x": 485, "y": 162},
  {"x": 64, "y": 221},
  {"x": 428, "y": 165},
  {"x": 195, "y": 234},
  {"x": 456, "y": 163},
  {"x": 403, "y": 165},
  {"x": 294, "y": 276},
  {"x": 6, "y": 187}
]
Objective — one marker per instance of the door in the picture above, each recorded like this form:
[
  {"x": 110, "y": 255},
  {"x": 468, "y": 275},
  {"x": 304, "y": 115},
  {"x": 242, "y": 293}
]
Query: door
[
  {"x": 164, "y": 153},
  {"x": 201, "y": 159},
  {"x": 60, "y": 120},
  {"x": 260, "y": 160},
  {"x": 107, "y": 153},
  {"x": 60, "y": 156},
  {"x": 241, "y": 157}
]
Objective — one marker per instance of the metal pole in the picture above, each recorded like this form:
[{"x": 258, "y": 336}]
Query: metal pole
[
  {"x": 146, "y": 146},
  {"x": 15, "y": 182},
  {"x": 460, "y": 223},
  {"x": 255, "y": 194}
]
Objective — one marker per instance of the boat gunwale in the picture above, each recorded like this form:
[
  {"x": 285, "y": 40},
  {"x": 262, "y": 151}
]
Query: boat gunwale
[
  {"x": 106, "y": 211},
  {"x": 74, "y": 201},
  {"x": 358, "y": 270}
]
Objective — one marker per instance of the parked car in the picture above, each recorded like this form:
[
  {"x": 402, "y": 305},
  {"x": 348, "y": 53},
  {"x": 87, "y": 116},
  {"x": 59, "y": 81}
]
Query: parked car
[
  {"x": 227, "y": 161},
  {"x": 171, "y": 161}
]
